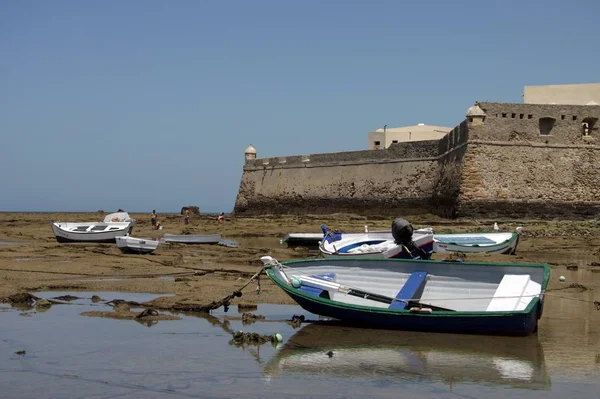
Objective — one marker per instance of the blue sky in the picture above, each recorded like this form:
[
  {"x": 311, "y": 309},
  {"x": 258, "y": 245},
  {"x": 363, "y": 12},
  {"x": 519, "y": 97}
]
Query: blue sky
[{"x": 147, "y": 105}]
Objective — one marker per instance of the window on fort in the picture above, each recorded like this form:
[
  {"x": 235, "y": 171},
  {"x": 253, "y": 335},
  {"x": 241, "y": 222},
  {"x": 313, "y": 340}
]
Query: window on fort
[
  {"x": 562, "y": 117},
  {"x": 504, "y": 114},
  {"x": 521, "y": 116},
  {"x": 574, "y": 117},
  {"x": 529, "y": 116},
  {"x": 470, "y": 119},
  {"x": 513, "y": 116},
  {"x": 394, "y": 141},
  {"x": 377, "y": 144},
  {"x": 546, "y": 125},
  {"x": 588, "y": 126}
]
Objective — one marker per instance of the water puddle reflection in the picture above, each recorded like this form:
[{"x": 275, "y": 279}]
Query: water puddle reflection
[{"x": 61, "y": 352}]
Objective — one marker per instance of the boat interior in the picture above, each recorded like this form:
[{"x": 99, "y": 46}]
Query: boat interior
[
  {"x": 471, "y": 239},
  {"x": 92, "y": 227},
  {"x": 370, "y": 243},
  {"x": 424, "y": 286}
]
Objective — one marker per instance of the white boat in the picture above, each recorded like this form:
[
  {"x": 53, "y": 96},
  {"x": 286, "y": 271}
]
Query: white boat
[
  {"x": 105, "y": 231},
  {"x": 117, "y": 217},
  {"x": 338, "y": 244},
  {"x": 134, "y": 245},
  {"x": 492, "y": 243},
  {"x": 377, "y": 245},
  {"x": 302, "y": 239},
  {"x": 192, "y": 238},
  {"x": 423, "y": 295}
]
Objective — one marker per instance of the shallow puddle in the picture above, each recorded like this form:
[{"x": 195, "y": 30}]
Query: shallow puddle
[{"x": 61, "y": 354}]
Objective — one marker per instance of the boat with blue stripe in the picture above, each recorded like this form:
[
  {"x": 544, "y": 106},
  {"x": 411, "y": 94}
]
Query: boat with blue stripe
[
  {"x": 422, "y": 295},
  {"x": 336, "y": 244}
]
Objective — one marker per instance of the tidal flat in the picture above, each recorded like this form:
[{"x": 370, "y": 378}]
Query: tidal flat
[{"x": 86, "y": 343}]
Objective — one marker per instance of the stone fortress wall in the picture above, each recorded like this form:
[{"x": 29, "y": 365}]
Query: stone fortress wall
[
  {"x": 532, "y": 159},
  {"x": 366, "y": 182},
  {"x": 504, "y": 159}
]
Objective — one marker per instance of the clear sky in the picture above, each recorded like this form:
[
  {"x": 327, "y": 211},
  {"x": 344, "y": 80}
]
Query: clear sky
[{"x": 150, "y": 104}]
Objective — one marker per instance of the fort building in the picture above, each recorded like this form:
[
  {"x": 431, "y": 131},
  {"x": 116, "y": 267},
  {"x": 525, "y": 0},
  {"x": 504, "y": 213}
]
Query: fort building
[
  {"x": 383, "y": 138},
  {"x": 502, "y": 159},
  {"x": 576, "y": 94}
]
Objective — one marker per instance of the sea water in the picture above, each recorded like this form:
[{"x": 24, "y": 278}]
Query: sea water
[{"x": 59, "y": 353}]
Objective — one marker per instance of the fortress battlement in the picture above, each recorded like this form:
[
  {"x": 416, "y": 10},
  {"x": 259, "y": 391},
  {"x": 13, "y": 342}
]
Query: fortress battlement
[{"x": 503, "y": 159}]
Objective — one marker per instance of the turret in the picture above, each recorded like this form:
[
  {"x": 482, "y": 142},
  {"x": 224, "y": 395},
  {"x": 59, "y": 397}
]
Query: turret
[
  {"x": 475, "y": 115},
  {"x": 250, "y": 153}
]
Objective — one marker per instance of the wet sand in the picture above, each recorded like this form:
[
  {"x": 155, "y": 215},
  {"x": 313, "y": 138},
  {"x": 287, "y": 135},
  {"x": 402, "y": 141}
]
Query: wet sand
[{"x": 31, "y": 260}]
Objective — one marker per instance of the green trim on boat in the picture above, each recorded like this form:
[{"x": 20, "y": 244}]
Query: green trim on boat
[{"x": 284, "y": 286}]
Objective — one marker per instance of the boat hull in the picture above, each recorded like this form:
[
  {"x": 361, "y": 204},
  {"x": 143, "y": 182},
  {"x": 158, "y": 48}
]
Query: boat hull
[
  {"x": 506, "y": 248},
  {"x": 510, "y": 324},
  {"x": 457, "y": 297},
  {"x": 65, "y": 236},
  {"x": 133, "y": 245},
  {"x": 192, "y": 239},
  {"x": 347, "y": 247},
  {"x": 302, "y": 239}
]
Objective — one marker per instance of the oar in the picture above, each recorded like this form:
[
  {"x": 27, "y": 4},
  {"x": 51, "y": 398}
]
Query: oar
[
  {"x": 332, "y": 286},
  {"x": 357, "y": 292}
]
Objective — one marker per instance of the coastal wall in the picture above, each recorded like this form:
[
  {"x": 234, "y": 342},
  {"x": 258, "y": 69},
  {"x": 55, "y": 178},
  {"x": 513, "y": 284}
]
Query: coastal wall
[
  {"x": 511, "y": 160},
  {"x": 382, "y": 182},
  {"x": 451, "y": 150},
  {"x": 532, "y": 160}
]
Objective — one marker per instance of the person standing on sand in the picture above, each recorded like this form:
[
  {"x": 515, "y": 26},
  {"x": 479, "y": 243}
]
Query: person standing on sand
[
  {"x": 153, "y": 217},
  {"x": 187, "y": 216},
  {"x": 221, "y": 218}
]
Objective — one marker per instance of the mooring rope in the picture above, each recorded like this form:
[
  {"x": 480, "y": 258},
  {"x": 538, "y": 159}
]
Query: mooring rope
[{"x": 226, "y": 300}]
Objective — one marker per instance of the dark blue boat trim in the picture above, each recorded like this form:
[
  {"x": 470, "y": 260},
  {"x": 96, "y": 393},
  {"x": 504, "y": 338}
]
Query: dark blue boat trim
[
  {"x": 128, "y": 250},
  {"x": 511, "y": 323},
  {"x": 63, "y": 240}
]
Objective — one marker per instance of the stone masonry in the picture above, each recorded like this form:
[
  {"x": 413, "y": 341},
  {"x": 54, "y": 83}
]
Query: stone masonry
[{"x": 503, "y": 160}]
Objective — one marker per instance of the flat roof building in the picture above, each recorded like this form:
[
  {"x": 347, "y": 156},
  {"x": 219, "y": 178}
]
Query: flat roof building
[
  {"x": 572, "y": 94},
  {"x": 383, "y": 138}
]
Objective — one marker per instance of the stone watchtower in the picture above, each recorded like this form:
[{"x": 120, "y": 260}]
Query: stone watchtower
[
  {"x": 475, "y": 115},
  {"x": 250, "y": 153}
]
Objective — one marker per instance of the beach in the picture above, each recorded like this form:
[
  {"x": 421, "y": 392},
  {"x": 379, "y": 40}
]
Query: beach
[{"x": 191, "y": 276}]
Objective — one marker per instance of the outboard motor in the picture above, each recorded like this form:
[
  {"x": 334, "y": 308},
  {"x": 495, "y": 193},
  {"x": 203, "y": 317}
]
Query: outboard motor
[{"x": 402, "y": 231}]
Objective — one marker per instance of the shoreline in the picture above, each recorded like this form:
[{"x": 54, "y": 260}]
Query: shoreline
[{"x": 199, "y": 274}]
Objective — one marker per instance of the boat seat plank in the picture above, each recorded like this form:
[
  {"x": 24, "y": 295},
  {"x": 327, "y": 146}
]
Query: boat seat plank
[
  {"x": 409, "y": 289},
  {"x": 510, "y": 291},
  {"x": 314, "y": 289}
]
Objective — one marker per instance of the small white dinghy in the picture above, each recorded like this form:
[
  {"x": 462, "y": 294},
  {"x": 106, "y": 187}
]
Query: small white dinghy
[
  {"x": 114, "y": 225},
  {"x": 134, "y": 245}
]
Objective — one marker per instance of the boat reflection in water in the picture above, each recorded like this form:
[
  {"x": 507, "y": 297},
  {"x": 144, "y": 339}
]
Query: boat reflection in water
[{"x": 327, "y": 349}]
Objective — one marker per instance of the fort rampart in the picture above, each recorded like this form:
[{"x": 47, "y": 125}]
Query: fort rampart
[{"x": 511, "y": 160}]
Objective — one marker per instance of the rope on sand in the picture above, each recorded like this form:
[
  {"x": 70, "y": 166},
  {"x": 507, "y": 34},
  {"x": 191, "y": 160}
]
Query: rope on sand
[{"x": 225, "y": 301}]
